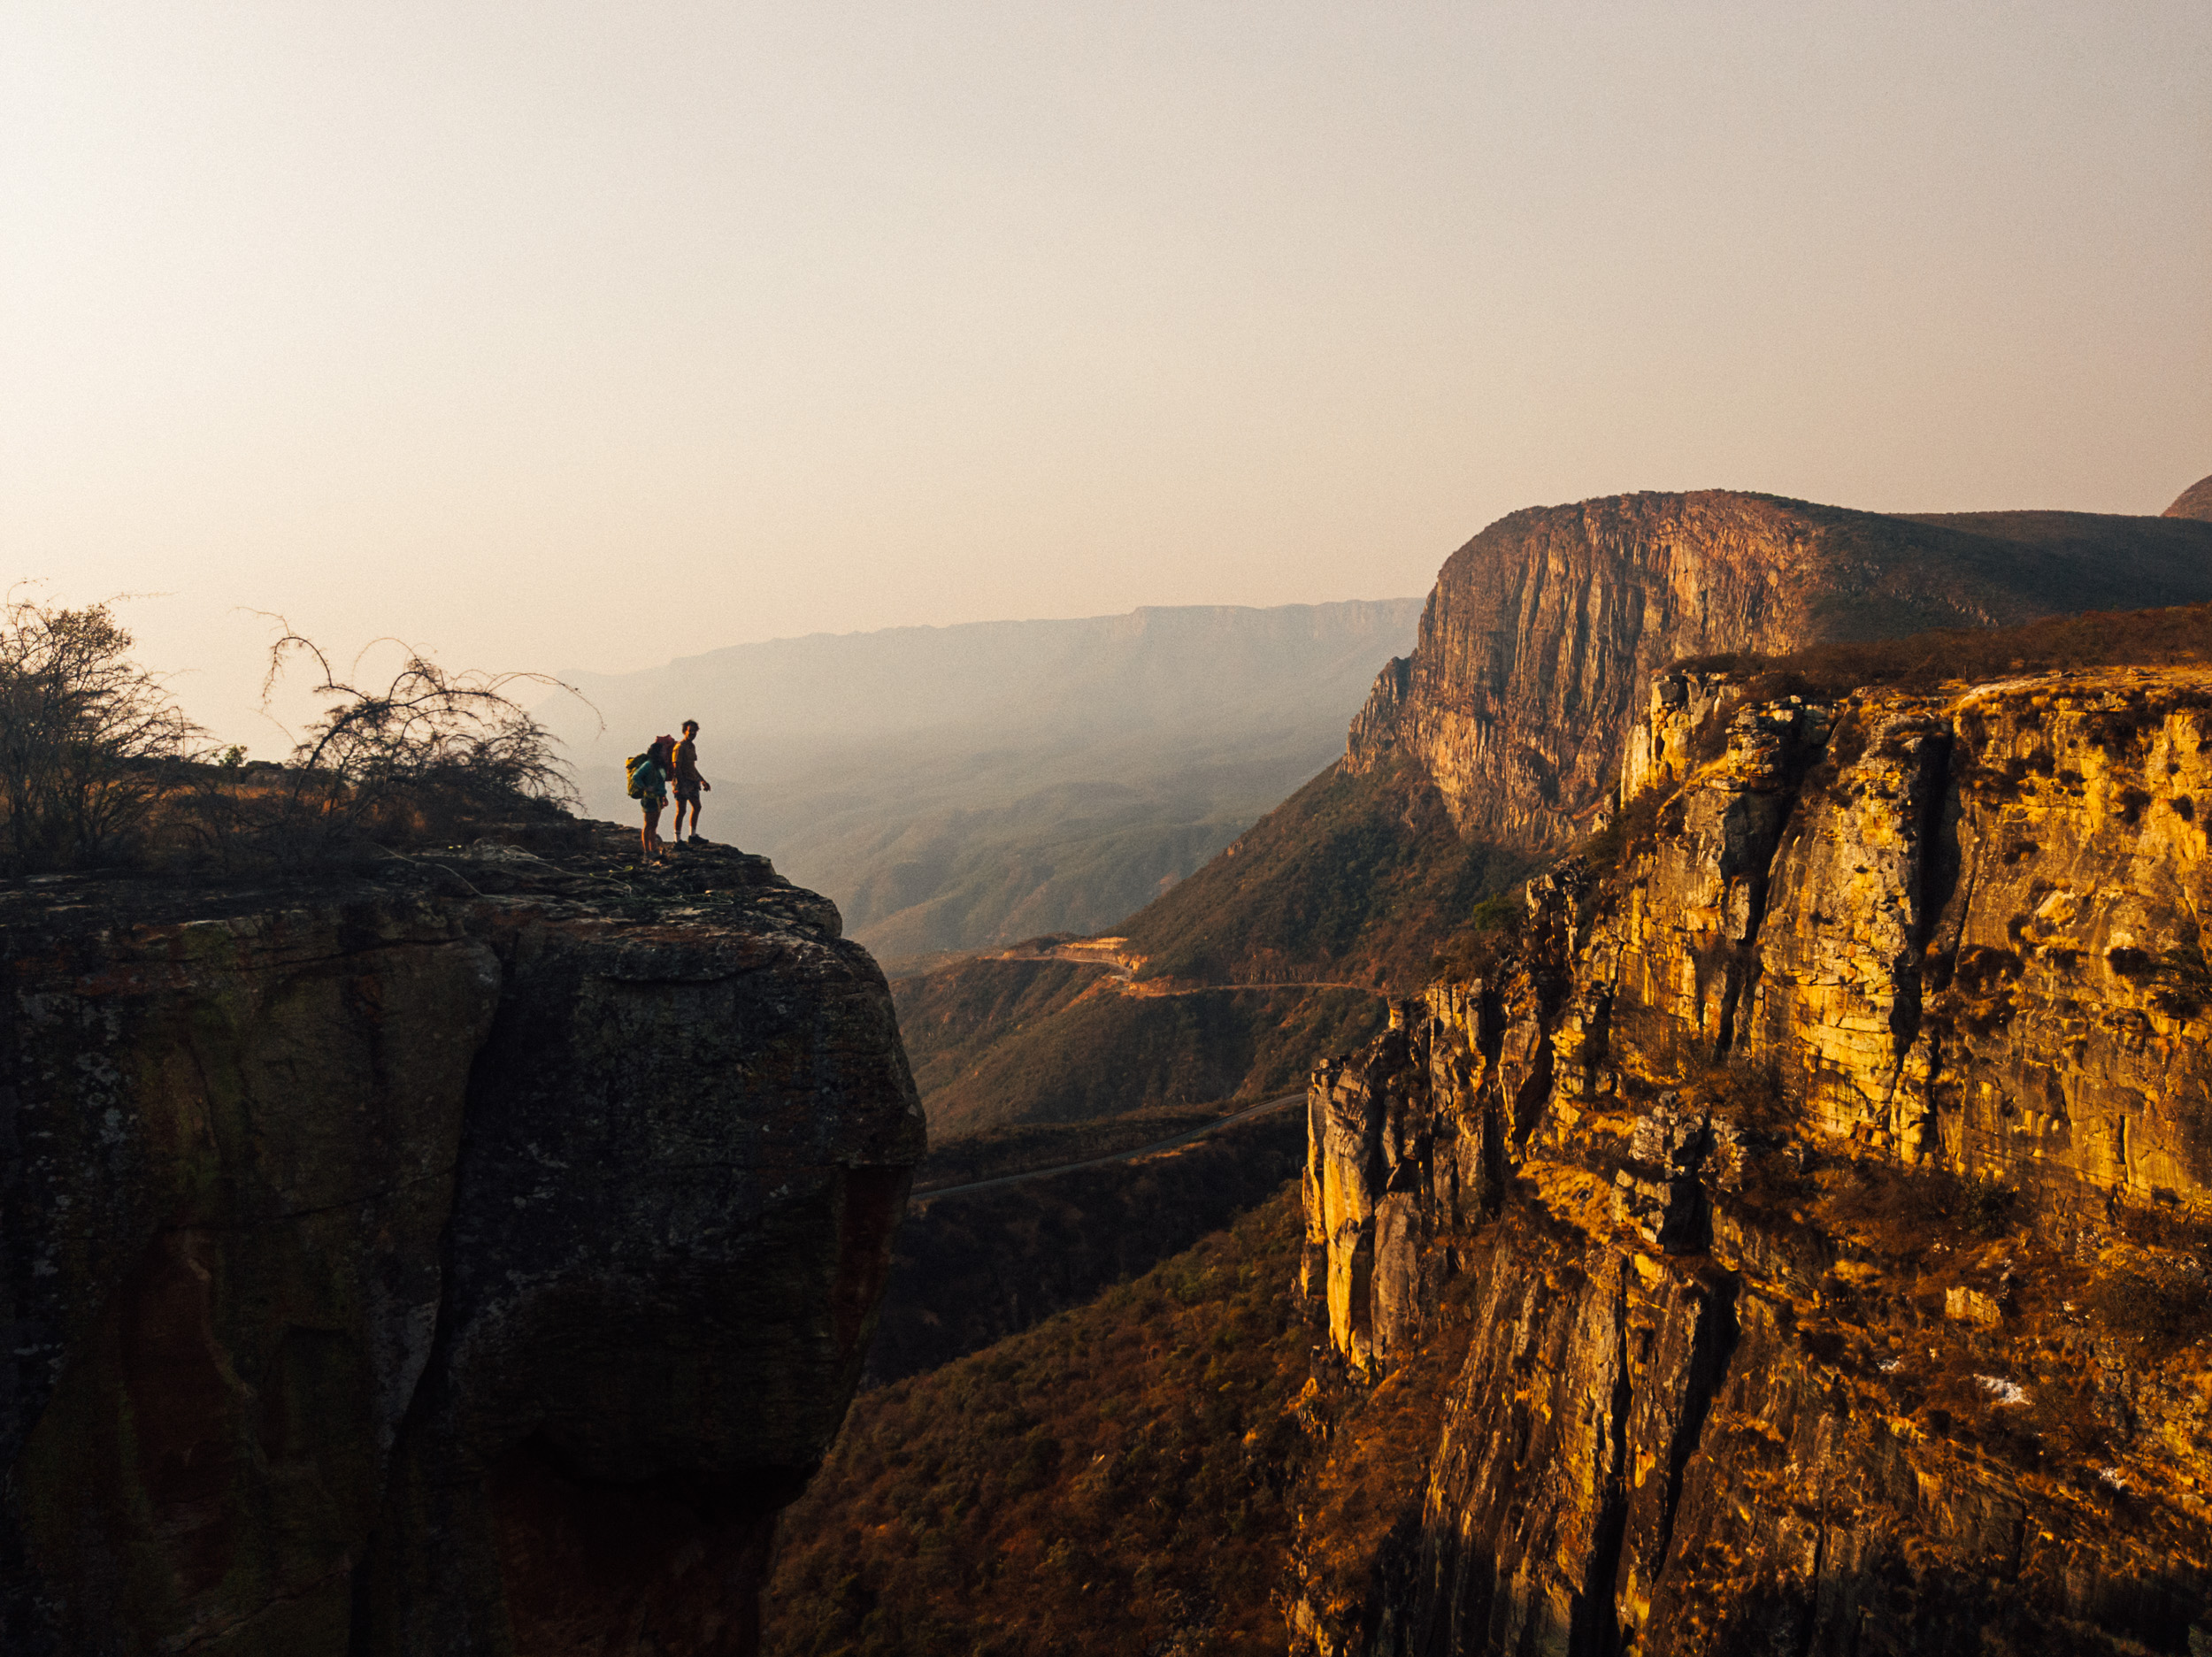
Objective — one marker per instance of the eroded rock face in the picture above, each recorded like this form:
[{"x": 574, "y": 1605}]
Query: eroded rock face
[
  {"x": 1844, "y": 1204},
  {"x": 1541, "y": 637},
  {"x": 469, "y": 1259}
]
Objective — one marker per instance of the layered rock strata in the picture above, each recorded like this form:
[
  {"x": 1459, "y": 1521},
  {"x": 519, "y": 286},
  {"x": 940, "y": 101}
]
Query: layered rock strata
[
  {"x": 469, "y": 1255},
  {"x": 1828, "y": 1180},
  {"x": 1542, "y": 632}
]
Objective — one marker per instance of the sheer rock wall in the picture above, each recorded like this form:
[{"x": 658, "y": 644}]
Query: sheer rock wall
[
  {"x": 466, "y": 1258},
  {"x": 1542, "y": 633},
  {"x": 1830, "y": 1185}
]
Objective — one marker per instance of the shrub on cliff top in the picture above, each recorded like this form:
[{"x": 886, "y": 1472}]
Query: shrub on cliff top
[
  {"x": 427, "y": 748},
  {"x": 96, "y": 763},
  {"x": 426, "y": 727},
  {"x": 84, "y": 733},
  {"x": 1484, "y": 944}
]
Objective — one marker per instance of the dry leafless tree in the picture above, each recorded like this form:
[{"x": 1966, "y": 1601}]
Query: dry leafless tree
[
  {"x": 384, "y": 746},
  {"x": 84, "y": 735}
]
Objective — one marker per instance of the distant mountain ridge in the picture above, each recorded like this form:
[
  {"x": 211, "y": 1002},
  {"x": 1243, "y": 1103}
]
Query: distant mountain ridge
[{"x": 957, "y": 787}]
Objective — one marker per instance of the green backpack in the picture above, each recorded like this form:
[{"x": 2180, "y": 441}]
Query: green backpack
[{"x": 644, "y": 772}]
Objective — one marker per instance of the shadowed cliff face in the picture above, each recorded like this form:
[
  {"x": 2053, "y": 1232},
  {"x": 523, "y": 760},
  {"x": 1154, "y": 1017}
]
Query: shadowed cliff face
[
  {"x": 469, "y": 1258},
  {"x": 1818, "y": 1200},
  {"x": 1542, "y": 632}
]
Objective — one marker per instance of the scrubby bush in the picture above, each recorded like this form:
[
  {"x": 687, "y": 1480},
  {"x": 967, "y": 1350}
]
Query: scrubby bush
[
  {"x": 1484, "y": 944},
  {"x": 381, "y": 752},
  {"x": 96, "y": 766},
  {"x": 424, "y": 753},
  {"x": 85, "y": 736}
]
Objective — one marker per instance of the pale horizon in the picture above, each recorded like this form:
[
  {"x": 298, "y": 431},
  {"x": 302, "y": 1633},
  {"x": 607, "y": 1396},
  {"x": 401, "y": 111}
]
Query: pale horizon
[{"x": 581, "y": 338}]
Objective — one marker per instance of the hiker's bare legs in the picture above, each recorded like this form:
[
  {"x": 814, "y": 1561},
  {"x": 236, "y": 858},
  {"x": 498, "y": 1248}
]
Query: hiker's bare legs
[
  {"x": 692, "y": 802},
  {"x": 649, "y": 838}
]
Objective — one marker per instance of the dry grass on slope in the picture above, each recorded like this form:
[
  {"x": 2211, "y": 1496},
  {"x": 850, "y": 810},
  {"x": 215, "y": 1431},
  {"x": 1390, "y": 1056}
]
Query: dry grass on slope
[
  {"x": 1117, "y": 1479},
  {"x": 1355, "y": 877},
  {"x": 2139, "y": 637},
  {"x": 996, "y": 1043}
]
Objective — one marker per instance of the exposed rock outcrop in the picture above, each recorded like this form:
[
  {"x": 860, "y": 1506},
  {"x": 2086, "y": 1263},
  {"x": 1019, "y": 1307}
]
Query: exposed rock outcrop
[
  {"x": 2193, "y": 502},
  {"x": 1830, "y": 1180},
  {"x": 1543, "y": 632},
  {"x": 467, "y": 1256}
]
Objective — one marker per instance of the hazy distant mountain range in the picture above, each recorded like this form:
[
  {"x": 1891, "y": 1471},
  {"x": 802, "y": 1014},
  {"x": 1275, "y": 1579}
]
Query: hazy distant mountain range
[{"x": 956, "y": 787}]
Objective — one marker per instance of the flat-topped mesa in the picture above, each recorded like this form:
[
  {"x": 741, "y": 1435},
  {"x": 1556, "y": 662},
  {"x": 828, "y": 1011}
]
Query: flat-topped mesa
[
  {"x": 1542, "y": 633},
  {"x": 467, "y": 1253}
]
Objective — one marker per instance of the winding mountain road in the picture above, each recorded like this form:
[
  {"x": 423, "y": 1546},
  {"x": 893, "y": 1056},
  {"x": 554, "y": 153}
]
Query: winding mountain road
[
  {"x": 1246, "y": 1114},
  {"x": 1121, "y": 968}
]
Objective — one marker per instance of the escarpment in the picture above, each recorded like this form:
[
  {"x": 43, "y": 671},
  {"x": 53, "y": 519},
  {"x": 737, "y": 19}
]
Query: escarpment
[
  {"x": 467, "y": 1255},
  {"x": 1812, "y": 1200},
  {"x": 1542, "y": 631}
]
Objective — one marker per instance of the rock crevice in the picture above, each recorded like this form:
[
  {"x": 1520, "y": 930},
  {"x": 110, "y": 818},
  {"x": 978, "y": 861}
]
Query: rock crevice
[{"x": 1843, "y": 1133}]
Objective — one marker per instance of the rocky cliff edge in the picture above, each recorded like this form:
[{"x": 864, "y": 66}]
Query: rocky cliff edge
[
  {"x": 469, "y": 1253},
  {"x": 1812, "y": 1208}
]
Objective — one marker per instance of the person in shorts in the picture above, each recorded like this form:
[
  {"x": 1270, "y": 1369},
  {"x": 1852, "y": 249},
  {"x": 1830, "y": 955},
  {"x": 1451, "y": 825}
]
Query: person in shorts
[{"x": 688, "y": 781}]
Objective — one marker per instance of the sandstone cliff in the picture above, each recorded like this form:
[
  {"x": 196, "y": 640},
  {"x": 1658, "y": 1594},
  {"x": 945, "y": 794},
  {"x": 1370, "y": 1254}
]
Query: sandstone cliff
[
  {"x": 465, "y": 1257},
  {"x": 1813, "y": 1206},
  {"x": 1542, "y": 631}
]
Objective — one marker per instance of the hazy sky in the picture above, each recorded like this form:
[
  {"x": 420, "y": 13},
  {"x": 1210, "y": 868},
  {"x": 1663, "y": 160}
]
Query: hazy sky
[{"x": 560, "y": 334}]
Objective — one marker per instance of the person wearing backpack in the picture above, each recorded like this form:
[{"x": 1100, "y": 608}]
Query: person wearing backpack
[{"x": 648, "y": 774}]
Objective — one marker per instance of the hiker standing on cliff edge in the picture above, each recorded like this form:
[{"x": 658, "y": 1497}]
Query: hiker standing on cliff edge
[
  {"x": 688, "y": 781},
  {"x": 648, "y": 774}
]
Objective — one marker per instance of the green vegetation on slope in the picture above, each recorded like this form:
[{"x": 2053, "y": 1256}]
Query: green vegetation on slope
[
  {"x": 2065, "y": 563},
  {"x": 1116, "y": 1478},
  {"x": 953, "y": 1018},
  {"x": 1359, "y": 877},
  {"x": 1878, "y": 575}
]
